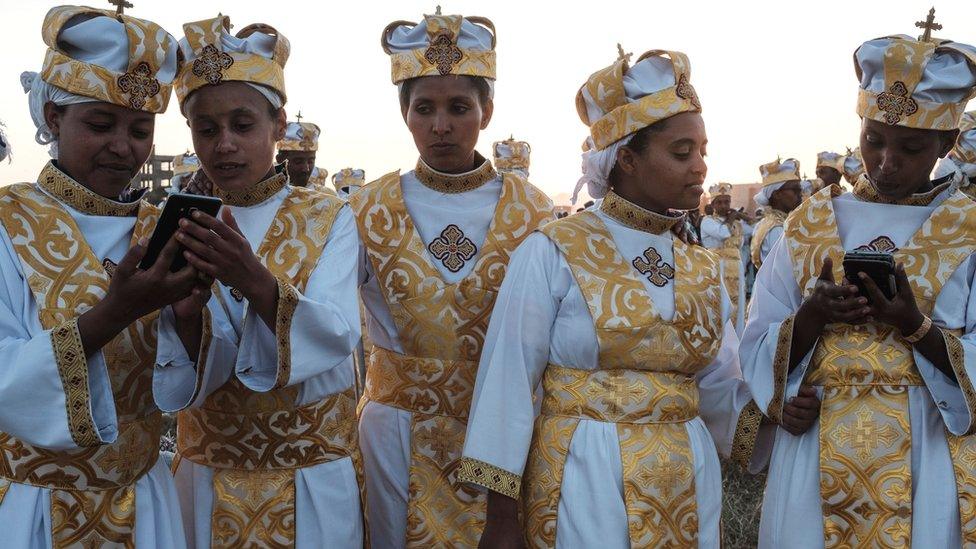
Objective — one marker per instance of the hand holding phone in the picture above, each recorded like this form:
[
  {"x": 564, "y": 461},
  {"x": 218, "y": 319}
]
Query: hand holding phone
[
  {"x": 880, "y": 268},
  {"x": 178, "y": 206}
]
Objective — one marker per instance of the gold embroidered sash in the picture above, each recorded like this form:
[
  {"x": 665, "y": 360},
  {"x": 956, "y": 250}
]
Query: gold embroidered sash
[
  {"x": 441, "y": 328},
  {"x": 92, "y": 488},
  {"x": 645, "y": 384},
  {"x": 255, "y": 441},
  {"x": 731, "y": 255},
  {"x": 774, "y": 218},
  {"x": 865, "y": 371}
]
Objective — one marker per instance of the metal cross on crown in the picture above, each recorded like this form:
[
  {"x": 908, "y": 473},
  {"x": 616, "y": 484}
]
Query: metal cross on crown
[
  {"x": 929, "y": 25},
  {"x": 120, "y": 6}
]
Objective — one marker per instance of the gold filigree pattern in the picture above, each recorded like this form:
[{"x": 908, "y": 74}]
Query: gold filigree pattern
[
  {"x": 746, "y": 431},
  {"x": 963, "y": 452},
  {"x": 633, "y": 216},
  {"x": 92, "y": 493},
  {"x": 865, "y": 433},
  {"x": 253, "y": 508},
  {"x": 287, "y": 303},
  {"x": 485, "y": 475},
  {"x": 252, "y": 196},
  {"x": 771, "y": 219},
  {"x": 441, "y": 328},
  {"x": 59, "y": 185},
  {"x": 69, "y": 353},
  {"x": 731, "y": 256},
  {"x": 454, "y": 183},
  {"x": 866, "y": 191}
]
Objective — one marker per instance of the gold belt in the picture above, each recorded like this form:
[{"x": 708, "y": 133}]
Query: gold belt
[
  {"x": 104, "y": 467},
  {"x": 620, "y": 396},
  {"x": 429, "y": 386},
  {"x": 307, "y": 435}
]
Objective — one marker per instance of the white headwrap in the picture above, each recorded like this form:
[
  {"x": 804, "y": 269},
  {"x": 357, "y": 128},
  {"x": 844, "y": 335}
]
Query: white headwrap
[
  {"x": 40, "y": 93},
  {"x": 596, "y": 169},
  {"x": 763, "y": 196}
]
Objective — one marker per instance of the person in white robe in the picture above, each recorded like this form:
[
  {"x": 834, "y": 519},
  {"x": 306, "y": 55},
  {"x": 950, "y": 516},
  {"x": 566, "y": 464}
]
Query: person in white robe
[
  {"x": 267, "y": 452},
  {"x": 348, "y": 181},
  {"x": 79, "y": 434},
  {"x": 184, "y": 167},
  {"x": 597, "y": 309},
  {"x": 960, "y": 163},
  {"x": 726, "y": 232},
  {"x": 511, "y": 154},
  {"x": 297, "y": 151},
  {"x": 437, "y": 241},
  {"x": 781, "y": 193},
  {"x": 889, "y": 462}
]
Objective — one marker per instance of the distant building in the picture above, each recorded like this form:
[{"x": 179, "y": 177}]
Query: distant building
[{"x": 155, "y": 175}]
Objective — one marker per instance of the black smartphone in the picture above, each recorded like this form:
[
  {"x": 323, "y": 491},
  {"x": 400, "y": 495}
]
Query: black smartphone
[
  {"x": 178, "y": 206},
  {"x": 880, "y": 266}
]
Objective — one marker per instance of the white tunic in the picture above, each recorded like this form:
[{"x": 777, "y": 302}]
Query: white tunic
[
  {"x": 791, "y": 514},
  {"x": 541, "y": 317},
  {"x": 34, "y": 401},
  {"x": 384, "y": 431},
  {"x": 713, "y": 234},
  {"x": 324, "y": 332}
]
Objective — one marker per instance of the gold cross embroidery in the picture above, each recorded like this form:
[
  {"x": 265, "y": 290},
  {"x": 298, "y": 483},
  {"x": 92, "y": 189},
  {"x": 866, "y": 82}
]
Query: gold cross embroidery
[
  {"x": 666, "y": 474},
  {"x": 658, "y": 272},
  {"x": 452, "y": 248},
  {"x": 139, "y": 84},
  {"x": 929, "y": 25},
  {"x": 212, "y": 64},
  {"x": 865, "y": 435},
  {"x": 896, "y": 103}
]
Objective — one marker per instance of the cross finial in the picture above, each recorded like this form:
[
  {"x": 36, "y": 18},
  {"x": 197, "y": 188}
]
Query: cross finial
[
  {"x": 120, "y": 6},
  {"x": 438, "y": 12},
  {"x": 929, "y": 25},
  {"x": 621, "y": 55},
  {"x": 299, "y": 117}
]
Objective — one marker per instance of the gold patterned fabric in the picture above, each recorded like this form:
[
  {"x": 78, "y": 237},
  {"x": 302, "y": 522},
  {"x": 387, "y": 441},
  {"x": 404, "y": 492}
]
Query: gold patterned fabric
[
  {"x": 92, "y": 487},
  {"x": 455, "y": 183},
  {"x": 138, "y": 87},
  {"x": 61, "y": 186},
  {"x": 255, "y": 441},
  {"x": 443, "y": 54},
  {"x": 866, "y": 371},
  {"x": 645, "y": 384},
  {"x": 773, "y": 218},
  {"x": 865, "y": 190},
  {"x": 635, "y": 217},
  {"x": 442, "y": 329},
  {"x": 731, "y": 255},
  {"x": 255, "y": 194}
]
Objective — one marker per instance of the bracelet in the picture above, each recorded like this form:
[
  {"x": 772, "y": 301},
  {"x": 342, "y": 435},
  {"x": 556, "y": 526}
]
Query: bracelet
[{"x": 921, "y": 332}]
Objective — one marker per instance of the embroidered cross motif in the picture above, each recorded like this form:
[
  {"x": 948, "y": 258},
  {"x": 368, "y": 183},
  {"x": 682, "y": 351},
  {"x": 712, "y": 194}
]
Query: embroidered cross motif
[
  {"x": 212, "y": 64},
  {"x": 864, "y": 435},
  {"x": 882, "y": 244},
  {"x": 443, "y": 52},
  {"x": 308, "y": 140},
  {"x": 109, "y": 266},
  {"x": 452, "y": 248},
  {"x": 686, "y": 91},
  {"x": 658, "y": 272},
  {"x": 896, "y": 103},
  {"x": 139, "y": 84},
  {"x": 665, "y": 476}
]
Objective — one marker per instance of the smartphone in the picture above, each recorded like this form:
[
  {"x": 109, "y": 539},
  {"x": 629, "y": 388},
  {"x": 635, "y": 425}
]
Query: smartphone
[
  {"x": 178, "y": 206},
  {"x": 880, "y": 266}
]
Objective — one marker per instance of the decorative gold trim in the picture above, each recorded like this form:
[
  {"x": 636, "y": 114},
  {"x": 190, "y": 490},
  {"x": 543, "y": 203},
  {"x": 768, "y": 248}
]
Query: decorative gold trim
[
  {"x": 206, "y": 337},
  {"x": 61, "y": 186},
  {"x": 865, "y": 190},
  {"x": 636, "y": 217},
  {"x": 287, "y": 303},
  {"x": 957, "y": 360},
  {"x": 69, "y": 354},
  {"x": 256, "y": 194},
  {"x": 781, "y": 368},
  {"x": 746, "y": 432},
  {"x": 488, "y": 476},
  {"x": 4, "y": 486},
  {"x": 454, "y": 183}
]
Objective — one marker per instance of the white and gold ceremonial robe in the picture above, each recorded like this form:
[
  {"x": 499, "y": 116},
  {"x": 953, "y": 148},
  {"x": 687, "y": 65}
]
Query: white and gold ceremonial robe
[
  {"x": 766, "y": 232},
  {"x": 266, "y": 431},
  {"x": 890, "y": 462},
  {"x": 627, "y": 330},
  {"x": 79, "y": 437},
  {"x": 437, "y": 246},
  {"x": 727, "y": 240}
]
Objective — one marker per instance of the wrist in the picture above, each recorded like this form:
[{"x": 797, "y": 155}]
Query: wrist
[
  {"x": 259, "y": 282},
  {"x": 112, "y": 315},
  {"x": 911, "y": 324},
  {"x": 808, "y": 314}
]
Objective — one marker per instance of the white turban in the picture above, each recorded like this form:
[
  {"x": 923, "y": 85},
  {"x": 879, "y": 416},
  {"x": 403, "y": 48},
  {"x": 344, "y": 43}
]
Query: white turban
[
  {"x": 763, "y": 196},
  {"x": 40, "y": 93},
  {"x": 596, "y": 169}
]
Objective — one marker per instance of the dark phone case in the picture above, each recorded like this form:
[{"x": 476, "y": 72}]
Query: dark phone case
[
  {"x": 879, "y": 266},
  {"x": 178, "y": 206}
]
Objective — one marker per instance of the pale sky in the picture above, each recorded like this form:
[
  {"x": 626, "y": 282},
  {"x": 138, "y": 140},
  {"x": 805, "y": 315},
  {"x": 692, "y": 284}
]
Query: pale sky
[{"x": 774, "y": 78}]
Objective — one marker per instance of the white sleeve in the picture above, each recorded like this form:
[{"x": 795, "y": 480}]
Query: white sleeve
[
  {"x": 320, "y": 326},
  {"x": 713, "y": 229},
  {"x": 772, "y": 237},
  {"x": 514, "y": 359},
  {"x": 52, "y": 395}
]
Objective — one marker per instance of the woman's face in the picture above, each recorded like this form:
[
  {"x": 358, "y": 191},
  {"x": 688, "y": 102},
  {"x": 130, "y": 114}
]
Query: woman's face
[
  {"x": 898, "y": 160},
  {"x": 670, "y": 172},
  {"x": 445, "y": 117},
  {"x": 101, "y": 145},
  {"x": 234, "y": 133}
]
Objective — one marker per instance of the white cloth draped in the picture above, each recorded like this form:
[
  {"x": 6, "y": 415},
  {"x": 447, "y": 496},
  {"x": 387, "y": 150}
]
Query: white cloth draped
[
  {"x": 541, "y": 317},
  {"x": 325, "y": 330},
  {"x": 34, "y": 401},
  {"x": 792, "y": 505}
]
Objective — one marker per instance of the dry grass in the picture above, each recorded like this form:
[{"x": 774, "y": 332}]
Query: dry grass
[{"x": 741, "y": 502}]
